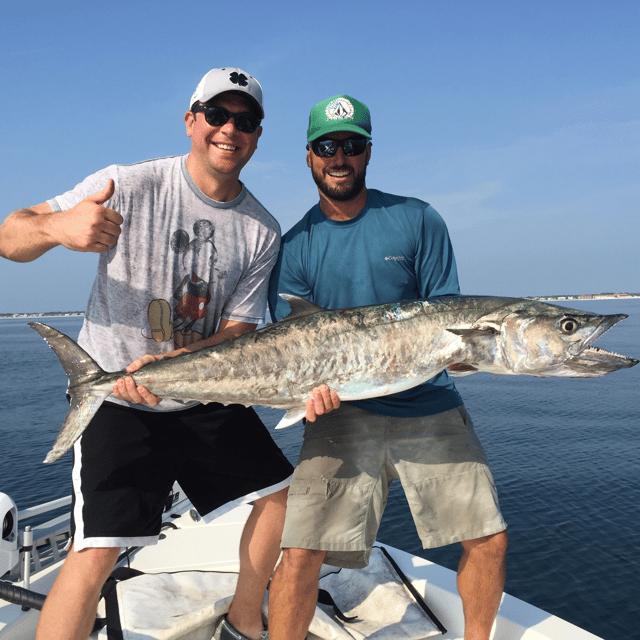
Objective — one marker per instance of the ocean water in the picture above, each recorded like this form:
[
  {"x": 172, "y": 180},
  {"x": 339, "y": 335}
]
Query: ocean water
[{"x": 565, "y": 456}]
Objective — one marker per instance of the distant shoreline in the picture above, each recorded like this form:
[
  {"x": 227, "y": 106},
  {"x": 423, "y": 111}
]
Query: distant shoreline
[
  {"x": 50, "y": 314},
  {"x": 594, "y": 296},
  {"x": 587, "y": 296}
]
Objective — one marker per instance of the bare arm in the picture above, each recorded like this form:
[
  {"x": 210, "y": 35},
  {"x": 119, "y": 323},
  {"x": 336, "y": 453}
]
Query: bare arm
[{"x": 26, "y": 234}]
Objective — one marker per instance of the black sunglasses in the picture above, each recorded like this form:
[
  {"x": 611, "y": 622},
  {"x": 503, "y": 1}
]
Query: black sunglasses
[
  {"x": 218, "y": 116},
  {"x": 329, "y": 148}
]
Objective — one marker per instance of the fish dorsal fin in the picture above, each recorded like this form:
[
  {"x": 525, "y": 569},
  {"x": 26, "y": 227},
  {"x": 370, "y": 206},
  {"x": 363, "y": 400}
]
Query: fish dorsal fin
[{"x": 299, "y": 307}]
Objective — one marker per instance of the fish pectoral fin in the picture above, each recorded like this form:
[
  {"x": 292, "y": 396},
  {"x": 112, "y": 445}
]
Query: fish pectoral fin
[
  {"x": 474, "y": 332},
  {"x": 461, "y": 369},
  {"x": 291, "y": 417}
]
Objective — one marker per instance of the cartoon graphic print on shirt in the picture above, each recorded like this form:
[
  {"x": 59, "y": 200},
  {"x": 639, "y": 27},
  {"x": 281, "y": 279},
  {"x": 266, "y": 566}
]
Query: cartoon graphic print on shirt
[
  {"x": 192, "y": 295},
  {"x": 159, "y": 316}
]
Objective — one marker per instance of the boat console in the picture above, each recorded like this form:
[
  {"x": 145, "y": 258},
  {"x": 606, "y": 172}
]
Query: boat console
[{"x": 9, "y": 553}]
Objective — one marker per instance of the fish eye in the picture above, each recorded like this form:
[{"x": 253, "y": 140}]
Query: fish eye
[{"x": 569, "y": 325}]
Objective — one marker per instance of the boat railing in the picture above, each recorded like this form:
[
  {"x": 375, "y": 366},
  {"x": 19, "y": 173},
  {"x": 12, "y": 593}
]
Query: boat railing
[
  {"x": 26, "y": 549},
  {"x": 47, "y": 507}
]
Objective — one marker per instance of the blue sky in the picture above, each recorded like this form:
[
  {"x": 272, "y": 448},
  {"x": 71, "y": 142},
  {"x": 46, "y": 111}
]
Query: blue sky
[{"x": 518, "y": 121}]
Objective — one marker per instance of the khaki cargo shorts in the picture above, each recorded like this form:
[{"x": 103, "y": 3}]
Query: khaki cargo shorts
[{"x": 349, "y": 459}]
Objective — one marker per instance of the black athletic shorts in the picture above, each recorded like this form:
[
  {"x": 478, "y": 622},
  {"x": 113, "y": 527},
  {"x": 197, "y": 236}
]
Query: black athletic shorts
[{"x": 127, "y": 460}]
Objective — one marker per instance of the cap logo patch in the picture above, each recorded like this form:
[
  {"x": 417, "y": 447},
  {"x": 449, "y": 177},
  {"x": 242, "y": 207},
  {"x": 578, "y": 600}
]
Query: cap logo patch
[
  {"x": 238, "y": 78},
  {"x": 339, "y": 109}
]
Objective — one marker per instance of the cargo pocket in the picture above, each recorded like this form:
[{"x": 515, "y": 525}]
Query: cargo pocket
[
  {"x": 460, "y": 506},
  {"x": 329, "y": 512}
]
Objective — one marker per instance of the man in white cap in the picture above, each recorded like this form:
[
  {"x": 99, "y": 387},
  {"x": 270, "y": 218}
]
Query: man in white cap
[{"x": 185, "y": 256}]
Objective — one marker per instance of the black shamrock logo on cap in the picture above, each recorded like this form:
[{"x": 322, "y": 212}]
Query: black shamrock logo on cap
[{"x": 238, "y": 78}]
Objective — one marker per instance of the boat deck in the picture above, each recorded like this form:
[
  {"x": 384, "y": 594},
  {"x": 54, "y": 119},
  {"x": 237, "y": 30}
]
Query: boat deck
[{"x": 188, "y": 544}]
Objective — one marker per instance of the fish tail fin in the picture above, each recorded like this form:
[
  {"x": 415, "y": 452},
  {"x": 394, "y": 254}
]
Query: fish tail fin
[
  {"x": 82, "y": 370},
  {"x": 79, "y": 366}
]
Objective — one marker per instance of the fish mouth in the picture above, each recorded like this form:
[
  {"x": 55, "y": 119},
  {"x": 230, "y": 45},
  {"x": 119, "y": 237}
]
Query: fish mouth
[
  {"x": 605, "y": 324},
  {"x": 589, "y": 361},
  {"x": 594, "y": 362}
]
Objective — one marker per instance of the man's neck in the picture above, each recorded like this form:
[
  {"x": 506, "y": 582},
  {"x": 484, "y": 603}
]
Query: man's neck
[
  {"x": 343, "y": 210},
  {"x": 221, "y": 188}
]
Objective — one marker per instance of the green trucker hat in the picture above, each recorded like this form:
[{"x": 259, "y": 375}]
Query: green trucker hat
[{"x": 339, "y": 113}]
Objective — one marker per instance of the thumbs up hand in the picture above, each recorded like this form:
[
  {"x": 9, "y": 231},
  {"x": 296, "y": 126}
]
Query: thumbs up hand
[{"x": 89, "y": 226}]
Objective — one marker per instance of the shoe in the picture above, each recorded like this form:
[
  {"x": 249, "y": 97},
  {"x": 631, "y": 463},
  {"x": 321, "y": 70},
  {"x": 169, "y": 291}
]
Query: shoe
[{"x": 225, "y": 631}]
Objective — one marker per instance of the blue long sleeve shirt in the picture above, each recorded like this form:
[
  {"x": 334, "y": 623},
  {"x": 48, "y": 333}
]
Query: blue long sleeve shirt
[{"x": 395, "y": 249}]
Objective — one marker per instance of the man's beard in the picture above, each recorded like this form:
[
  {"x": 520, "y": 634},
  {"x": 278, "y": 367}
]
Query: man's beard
[{"x": 342, "y": 192}]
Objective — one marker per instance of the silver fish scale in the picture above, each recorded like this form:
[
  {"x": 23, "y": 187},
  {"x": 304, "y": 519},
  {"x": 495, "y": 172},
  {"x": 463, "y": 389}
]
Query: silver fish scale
[
  {"x": 279, "y": 365},
  {"x": 356, "y": 352}
]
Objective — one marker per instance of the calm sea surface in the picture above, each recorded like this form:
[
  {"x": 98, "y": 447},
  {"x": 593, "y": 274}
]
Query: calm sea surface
[{"x": 565, "y": 455}]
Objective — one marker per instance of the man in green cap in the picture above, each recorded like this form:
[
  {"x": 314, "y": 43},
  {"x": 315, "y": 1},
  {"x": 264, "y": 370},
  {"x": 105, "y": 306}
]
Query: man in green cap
[{"x": 360, "y": 246}]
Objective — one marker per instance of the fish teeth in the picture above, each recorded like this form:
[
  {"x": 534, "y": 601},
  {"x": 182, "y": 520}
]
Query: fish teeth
[{"x": 610, "y": 353}]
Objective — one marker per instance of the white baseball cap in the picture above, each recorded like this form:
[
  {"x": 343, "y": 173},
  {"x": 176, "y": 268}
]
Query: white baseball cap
[{"x": 219, "y": 81}]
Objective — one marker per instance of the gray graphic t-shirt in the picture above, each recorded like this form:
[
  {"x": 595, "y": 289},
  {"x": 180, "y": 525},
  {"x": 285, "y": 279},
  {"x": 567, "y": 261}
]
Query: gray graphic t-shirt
[{"x": 181, "y": 263}]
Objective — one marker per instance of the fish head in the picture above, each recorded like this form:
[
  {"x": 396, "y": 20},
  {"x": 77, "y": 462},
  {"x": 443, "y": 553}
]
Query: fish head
[{"x": 548, "y": 340}]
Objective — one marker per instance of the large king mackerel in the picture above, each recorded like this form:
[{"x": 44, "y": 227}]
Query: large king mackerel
[{"x": 360, "y": 353}]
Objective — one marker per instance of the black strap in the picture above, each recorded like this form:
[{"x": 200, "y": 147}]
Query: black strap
[
  {"x": 110, "y": 595},
  {"x": 414, "y": 592},
  {"x": 324, "y": 597}
]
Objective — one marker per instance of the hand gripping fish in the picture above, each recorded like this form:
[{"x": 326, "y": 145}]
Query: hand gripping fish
[{"x": 359, "y": 353}]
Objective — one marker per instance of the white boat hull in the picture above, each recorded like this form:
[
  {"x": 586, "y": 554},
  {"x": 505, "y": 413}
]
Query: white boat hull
[{"x": 195, "y": 546}]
